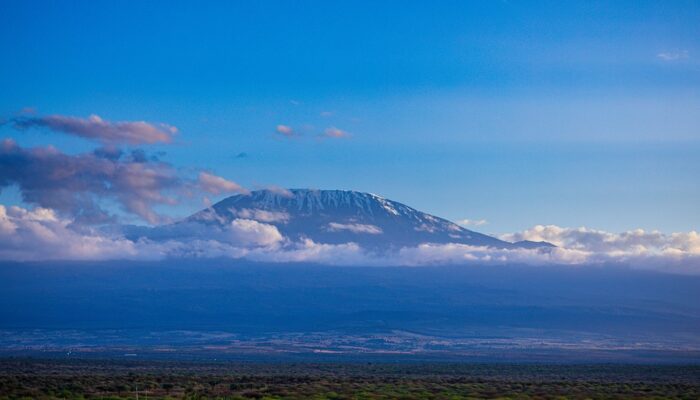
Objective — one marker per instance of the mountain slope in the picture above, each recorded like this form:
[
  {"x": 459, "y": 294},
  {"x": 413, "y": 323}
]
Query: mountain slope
[{"x": 341, "y": 216}]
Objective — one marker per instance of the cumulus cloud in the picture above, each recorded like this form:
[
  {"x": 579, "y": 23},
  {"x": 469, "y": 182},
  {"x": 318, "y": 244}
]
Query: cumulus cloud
[
  {"x": 309, "y": 251},
  {"x": 39, "y": 234},
  {"x": 334, "y": 132},
  {"x": 217, "y": 185},
  {"x": 74, "y": 183},
  {"x": 249, "y": 232},
  {"x": 96, "y": 128},
  {"x": 632, "y": 242},
  {"x": 285, "y": 130},
  {"x": 78, "y": 185},
  {"x": 354, "y": 228}
]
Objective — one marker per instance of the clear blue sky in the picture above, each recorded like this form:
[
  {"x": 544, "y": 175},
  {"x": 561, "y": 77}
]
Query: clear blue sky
[{"x": 520, "y": 113}]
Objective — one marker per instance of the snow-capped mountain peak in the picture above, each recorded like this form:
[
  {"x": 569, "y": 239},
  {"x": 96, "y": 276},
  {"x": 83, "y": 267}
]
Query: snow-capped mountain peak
[{"x": 341, "y": 216}]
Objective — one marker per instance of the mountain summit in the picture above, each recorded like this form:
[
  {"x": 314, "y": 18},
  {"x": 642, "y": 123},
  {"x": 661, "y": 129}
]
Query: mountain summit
[{"x": 342, "y": 216}]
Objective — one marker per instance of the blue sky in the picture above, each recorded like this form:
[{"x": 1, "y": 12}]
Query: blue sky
[{"x": 520, "y": 113}]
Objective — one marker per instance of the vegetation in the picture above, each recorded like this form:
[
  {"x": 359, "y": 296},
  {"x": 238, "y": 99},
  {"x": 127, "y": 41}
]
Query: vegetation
[{"x": 82, "y": 379}]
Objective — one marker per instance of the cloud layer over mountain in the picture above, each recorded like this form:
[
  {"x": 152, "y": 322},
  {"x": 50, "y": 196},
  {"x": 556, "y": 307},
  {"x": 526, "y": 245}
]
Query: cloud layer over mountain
[{"x": 40, "y": 234}]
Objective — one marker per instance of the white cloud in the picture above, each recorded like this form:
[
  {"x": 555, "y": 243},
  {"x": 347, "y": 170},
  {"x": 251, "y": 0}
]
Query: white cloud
[
  {"x": 638, "y": 248},
  {"x": 309, "y": 251},
  {"x": 41, "y": 234},
  {"x": 217, "y": 185},
  {"x": 279, "y": 191},
  {"x": 673, "y": 55},
  {"x": 636, "y": 241},
  {"x": 263, "y": 215},
  {"x": 455, "y": 253},
  {"x": 248, "y": 232},
  {"x": 355, "y": 228},
  {"x": 472, "y": 222}
]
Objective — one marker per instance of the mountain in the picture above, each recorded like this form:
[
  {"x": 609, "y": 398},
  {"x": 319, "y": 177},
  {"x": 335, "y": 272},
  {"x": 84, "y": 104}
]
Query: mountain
[{"x": 342, "y": 216}]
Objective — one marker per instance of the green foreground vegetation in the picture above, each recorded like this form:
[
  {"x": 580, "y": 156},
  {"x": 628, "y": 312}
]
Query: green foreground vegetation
[{"x": 76, "y": 379}]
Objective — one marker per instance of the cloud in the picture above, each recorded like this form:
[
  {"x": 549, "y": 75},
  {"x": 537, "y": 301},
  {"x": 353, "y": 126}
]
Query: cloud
[
  {"x": 355, "y": 228},
  {"x": 285, "y": 130},
  {"x": 39, "y": 234},
  {"x": 632, "y": 242},
  {"x": 217, "y": 185},
  {"x": 249, "y": 232},
  {"x": 278, "y": 190},
  {"x": 677, "y": 252},
  {"x": 331, "y": 132},
  {"x": 309, "y": 251},
  {"x": 334, "y": 132},
  {"x": 42, "y": 234},
  {"x": 673, "y": 55},
  {"x": 456, "y": 253},
  {"x": 472, "y": 222},
  {"x": 95, "y": 128},
  {"x": 79, "y": 185},
  {"x": 74, "y": 184},
  {"x": 263, "y": 215}
]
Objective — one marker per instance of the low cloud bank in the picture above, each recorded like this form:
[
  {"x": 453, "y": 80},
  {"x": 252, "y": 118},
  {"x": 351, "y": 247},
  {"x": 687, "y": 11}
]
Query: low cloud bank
[
  {"x": 632, "y": 243},
  {"x": 41, "y": 234}
]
